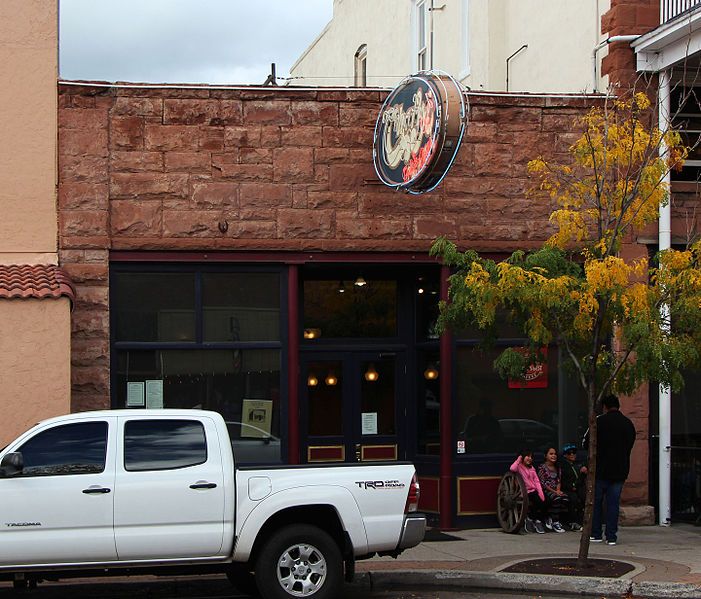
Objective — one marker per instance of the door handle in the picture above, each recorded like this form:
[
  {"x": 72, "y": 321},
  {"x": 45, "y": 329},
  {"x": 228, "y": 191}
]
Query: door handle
[
  {"x": 203, "y": 485},
  {"x": 96, "y": 490}
]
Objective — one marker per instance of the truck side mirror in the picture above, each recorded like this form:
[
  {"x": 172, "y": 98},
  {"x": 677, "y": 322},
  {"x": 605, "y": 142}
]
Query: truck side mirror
[{"x": 11, "y": 464}]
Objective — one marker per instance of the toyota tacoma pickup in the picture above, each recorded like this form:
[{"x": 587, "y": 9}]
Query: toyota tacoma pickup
[{"x": 133, "y": 491}]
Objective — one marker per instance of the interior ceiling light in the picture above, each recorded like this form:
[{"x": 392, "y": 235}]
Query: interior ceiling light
[
  {"x": 341, "y": 287},
  {"x": 431, "y": 373},
  {"x": 331, "y": 379},
  {"x": 312, "y": 333},
  {"x": 312, "y": 381},
  {"x": 371, "y": 375},
  {"x": 360, "y": 282}
]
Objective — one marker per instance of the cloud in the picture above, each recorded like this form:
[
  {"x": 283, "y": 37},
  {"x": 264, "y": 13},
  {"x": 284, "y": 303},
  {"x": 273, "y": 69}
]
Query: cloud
[{"x": 185, "y": 41}]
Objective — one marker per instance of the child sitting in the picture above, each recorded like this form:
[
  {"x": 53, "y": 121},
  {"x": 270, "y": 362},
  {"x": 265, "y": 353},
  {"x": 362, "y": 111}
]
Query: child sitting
[
  {"x": 536, "y": 499},
  {"x": 556, "y": 499},
  {"x": 573, "y": 483}
]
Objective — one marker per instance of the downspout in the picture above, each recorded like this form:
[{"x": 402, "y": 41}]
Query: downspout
[
  {"x": 665, "y": 395},
  {"x": 610, "y": 40}
]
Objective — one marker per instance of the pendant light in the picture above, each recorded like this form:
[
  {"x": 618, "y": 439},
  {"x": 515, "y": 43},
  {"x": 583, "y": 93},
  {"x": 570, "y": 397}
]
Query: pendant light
[
  {"x": 331, "y": 379},
  {"x": 312, "y": 381},
  {"x": 371, "y": 375},
  {"x": 431, "y": 373}
]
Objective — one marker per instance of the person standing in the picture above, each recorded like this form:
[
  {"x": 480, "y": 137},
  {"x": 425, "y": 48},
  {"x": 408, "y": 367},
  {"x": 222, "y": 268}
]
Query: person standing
[{"x": 614, "y": 442}]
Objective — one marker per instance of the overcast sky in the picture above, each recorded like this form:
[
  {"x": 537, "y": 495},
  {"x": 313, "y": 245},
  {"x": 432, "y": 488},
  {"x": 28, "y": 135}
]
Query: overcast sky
[{"x": 185, "y": 41}]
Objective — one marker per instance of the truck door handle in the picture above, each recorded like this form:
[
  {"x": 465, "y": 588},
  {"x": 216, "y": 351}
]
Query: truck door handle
[
  {"x": 96, "y": 490},
  {"x": 203, "y": 485}
]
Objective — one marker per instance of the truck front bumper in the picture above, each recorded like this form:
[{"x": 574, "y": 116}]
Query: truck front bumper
[{"x": 413, "y": 531}]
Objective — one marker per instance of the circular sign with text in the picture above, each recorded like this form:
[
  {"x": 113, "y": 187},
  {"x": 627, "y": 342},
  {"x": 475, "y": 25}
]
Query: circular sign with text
[{"x": 418, "y": 132}]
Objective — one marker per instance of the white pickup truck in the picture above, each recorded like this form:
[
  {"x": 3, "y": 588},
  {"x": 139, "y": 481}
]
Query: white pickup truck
[{"x": 139, "y": 490}]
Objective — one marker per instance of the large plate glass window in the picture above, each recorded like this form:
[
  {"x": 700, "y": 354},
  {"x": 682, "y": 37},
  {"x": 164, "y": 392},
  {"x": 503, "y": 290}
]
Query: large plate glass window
[{"x": 202, "y": 337}]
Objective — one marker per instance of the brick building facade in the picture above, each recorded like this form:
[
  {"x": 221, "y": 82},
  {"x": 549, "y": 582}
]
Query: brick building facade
[{"x": 181, "y": 178}]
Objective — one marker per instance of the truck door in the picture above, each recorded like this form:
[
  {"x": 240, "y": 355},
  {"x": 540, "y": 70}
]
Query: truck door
[
  {"x": 59, "y": 508},
  {"x": 169, "y": 496}
]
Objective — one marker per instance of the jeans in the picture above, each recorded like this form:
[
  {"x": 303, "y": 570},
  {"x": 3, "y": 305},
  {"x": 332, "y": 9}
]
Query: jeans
[{"x": 610, "y": 490}]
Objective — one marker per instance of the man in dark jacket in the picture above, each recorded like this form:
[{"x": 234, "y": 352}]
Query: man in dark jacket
[{"x": 614, "y": 442}]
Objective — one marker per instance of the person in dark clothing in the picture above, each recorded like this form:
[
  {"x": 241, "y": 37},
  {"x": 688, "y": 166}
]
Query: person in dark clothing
[
  {"x": 614, "y": 442},
  {"x": 573, "y": 483}
]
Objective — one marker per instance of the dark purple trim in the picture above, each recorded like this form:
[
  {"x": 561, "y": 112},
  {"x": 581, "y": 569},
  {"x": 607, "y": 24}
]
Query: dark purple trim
[
  {"x": 446, "y": 376},
  {"x": 273, "y": 257},
  {"x": 293, "y": 364}
]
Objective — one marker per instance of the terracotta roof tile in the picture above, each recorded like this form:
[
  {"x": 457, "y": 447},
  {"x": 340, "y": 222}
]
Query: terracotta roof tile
[{"x": 34, "y": 281}]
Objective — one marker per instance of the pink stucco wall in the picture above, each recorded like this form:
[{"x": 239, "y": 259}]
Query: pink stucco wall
[{"x": 35, "y": 347}]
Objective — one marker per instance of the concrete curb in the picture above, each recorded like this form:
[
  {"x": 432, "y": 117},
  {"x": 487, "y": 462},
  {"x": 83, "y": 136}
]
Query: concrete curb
[{"x": 577, "y": 585}]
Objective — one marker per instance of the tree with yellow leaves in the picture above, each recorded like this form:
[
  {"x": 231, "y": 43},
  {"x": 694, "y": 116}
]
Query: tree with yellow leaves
[{"x": 605, "y": 313}]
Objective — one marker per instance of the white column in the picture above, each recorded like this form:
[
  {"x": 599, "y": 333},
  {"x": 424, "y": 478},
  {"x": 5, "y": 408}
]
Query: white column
[{"x": 665, "y": 396}]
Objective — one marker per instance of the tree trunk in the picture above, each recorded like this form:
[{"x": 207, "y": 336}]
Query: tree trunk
[{"x": 591, "y": 478}]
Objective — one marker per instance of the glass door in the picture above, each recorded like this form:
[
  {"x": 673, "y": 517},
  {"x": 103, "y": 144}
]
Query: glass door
[{"x": 350, "y": 407}]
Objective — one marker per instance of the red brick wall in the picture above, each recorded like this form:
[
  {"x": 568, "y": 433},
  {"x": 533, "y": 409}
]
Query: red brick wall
[
  {"x": 272, "y": 169},
  {"x": 626, "y": 17}
]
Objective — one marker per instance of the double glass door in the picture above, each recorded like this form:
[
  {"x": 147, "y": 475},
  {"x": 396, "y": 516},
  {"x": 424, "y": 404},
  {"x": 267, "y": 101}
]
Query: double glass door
[{"x": 350, "y": 406}]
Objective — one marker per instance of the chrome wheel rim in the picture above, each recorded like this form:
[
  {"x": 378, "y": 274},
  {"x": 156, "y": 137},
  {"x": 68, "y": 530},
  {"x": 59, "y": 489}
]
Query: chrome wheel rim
[{"x": 301, "y": 570}]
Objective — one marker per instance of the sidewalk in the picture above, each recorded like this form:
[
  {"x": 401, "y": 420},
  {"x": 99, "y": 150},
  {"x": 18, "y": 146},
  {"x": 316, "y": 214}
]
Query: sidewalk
[{"x": 667, "y": 562}]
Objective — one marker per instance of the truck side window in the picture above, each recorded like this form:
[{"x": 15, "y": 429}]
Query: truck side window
[
  {"x": 78, "y": 448},
  {"x": 163, "y": 444}
]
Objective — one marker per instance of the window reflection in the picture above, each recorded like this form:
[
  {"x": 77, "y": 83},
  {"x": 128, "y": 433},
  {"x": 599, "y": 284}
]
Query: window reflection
[
  {"x": 66, "y": 449},
  {"x": 163, "y": 444},
  {"x": 494, "y": 418}
]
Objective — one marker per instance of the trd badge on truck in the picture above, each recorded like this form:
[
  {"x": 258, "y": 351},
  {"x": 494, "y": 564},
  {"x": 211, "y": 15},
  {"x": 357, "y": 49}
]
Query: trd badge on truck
[{"x": 379, "y": 484}]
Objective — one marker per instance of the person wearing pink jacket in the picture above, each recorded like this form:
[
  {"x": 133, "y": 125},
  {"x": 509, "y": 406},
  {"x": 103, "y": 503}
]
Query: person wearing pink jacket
[{"x": 523, "y": 466}]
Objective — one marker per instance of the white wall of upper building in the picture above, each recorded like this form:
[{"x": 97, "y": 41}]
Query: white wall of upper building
[{"x": 472, "y": 40}]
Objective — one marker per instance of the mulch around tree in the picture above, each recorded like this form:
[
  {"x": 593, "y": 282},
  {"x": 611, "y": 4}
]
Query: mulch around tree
[{"x": 563, "y": 566}]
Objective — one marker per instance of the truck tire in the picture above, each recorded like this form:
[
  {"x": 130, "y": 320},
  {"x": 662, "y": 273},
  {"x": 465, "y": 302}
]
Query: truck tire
[{"x": 300, "y": 561}]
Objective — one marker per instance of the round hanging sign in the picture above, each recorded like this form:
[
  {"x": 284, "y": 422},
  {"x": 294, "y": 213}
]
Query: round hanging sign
[{"x": 418, "y": 131}]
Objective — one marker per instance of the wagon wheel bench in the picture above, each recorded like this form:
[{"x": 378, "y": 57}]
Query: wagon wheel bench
[{"x": 512, "y": 502}]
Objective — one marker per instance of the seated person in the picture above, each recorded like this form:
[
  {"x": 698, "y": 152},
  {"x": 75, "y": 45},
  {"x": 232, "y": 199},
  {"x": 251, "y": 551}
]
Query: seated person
[
  {"x": 573, "y": 483},
  {"x": 523, "y": 466},
  {"x": 556, "y": 499}
]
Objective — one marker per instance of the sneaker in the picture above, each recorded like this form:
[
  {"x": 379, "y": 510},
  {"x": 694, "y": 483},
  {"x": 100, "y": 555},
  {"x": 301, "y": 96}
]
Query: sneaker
[
  {"x": 595, "y": 539},
  {"x": 529, "y": 526},
  {"x": 610, "y": 542},
  {"x": 557, "y": 527},
  {"x": 549, "y": 523},
  {"x": 575, "y": 527},
  {"x": 539, "y": 527}
]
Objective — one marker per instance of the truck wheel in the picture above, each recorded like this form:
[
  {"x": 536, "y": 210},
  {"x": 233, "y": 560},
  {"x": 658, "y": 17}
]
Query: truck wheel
[{"x": 300, "y": 561}]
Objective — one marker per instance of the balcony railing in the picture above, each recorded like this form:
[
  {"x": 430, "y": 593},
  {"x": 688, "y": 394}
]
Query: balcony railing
[{"x": 672, "y": 8}]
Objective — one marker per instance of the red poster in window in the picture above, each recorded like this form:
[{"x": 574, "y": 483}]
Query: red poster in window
[{"x": 536, "y": 374}]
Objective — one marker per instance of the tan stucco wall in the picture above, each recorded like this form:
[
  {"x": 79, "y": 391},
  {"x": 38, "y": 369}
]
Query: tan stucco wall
[
  {"x": 561, "y": 36},
  {"x": 35, "y": 348},
  {"x": 28, "y": 71}
]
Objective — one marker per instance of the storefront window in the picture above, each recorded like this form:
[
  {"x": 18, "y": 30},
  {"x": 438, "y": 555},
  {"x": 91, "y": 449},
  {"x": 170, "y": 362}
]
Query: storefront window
[
  {"x": 499, "y": 416},
  {"x": 242, "y": 385},
  {"x": 241, "y": 306},
  {"x": 154, "y": 306},
  {"x": 207, "y": 338},
  {"x": 354, "y": 308}
]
